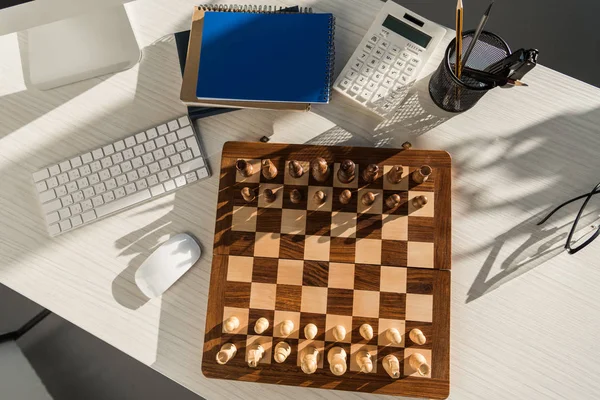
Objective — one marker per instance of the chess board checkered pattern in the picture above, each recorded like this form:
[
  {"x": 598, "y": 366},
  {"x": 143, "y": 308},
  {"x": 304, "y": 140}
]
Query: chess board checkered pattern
[{"x": 330, "y": 264}]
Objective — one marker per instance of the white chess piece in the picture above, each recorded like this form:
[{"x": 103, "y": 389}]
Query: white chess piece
[
  {"x": 339, "y": 333},
  {"x": 227, "y": 352},
  {"x": 261, "y": 325},
  {"x": 287, "y": 327},
  {"x": 366, "y": 331},
  {"x": 310, "y": 331},
  {"x": 394, "y": 336},
  {"x": 337, "y": 361},
  {"x": 391, "y": 366},
  {"x": 254, "y": 355},
  {"x": 310, "y": 360},
  {"x": 364, "y": 362},
  {"x": 231, "y": 324},
  {"x": 417, "y": 336},
  {"x": 282, "y": 351},
  {"x": 418, "y": 362}
]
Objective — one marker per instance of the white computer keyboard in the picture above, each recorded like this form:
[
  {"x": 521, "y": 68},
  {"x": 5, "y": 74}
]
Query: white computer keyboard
[
  {"x": 389, "y": 58},
  {"x": 119, "y": 175}
]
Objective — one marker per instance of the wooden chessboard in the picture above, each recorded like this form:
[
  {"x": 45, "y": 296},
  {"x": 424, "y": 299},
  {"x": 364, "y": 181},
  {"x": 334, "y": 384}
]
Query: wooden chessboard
[{"x": 332, "y": 264}]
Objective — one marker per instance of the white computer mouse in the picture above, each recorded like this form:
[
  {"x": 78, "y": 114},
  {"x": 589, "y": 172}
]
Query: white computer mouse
[{"x": 167, "y": 264}]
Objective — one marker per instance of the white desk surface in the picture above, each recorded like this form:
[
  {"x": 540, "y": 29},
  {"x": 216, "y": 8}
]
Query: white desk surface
[{"x": 524, "y": 314}]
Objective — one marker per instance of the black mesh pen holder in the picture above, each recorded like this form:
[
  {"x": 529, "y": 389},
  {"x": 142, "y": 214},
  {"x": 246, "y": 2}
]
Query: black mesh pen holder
[{"x": 458, "y": 95}]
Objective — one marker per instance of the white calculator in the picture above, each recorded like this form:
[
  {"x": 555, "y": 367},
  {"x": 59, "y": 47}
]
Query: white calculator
[{"x": 389, "y": 58}]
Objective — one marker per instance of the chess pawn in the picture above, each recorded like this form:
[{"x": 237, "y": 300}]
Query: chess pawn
[
  {"x": 418, "y": 362},
  {"x": 287, "y": 327},
  {"x": 394, "y": 336},
  {"x": 364, "y": 361},
  {"x": 346, "y": 173},
  {"x": 269, "y": 170},
  {"x": 295, "y": 169},
  {"x": 337, "y": 361},
  {"x": 320, "y": 169},
  {"x": 227, "y": 352},
  {"x": 393, "y": 201},
  {"x": 395, "y": 174},
  {"x": 310, "y": 331},
  {"x": 282, "y": 351},
  {"x": 295, "y": 196},
  {"x": 417, "y": 336},
  {"x": 320, "y": 197},
  {"x": 345, "y": 196},
  {"x": 370, "y": 173},
  {"x": 244, "y": 167},
  {"x": 368, "y": 199},
  {"x": 270, "y": 195},
  {"x": 422, "y": 174},
  {"x": 248, "y": 194},
  {"x": 254, "y": 355},
  {"x": 310, "y": 360},
  {"x": 366, "y": 331},
  {"x": 419, "y": 202},
  {"x": 231, "y": 324},
  {"x": 391, "y": 366},
  {"x": 261, "y": 325},
  {"x": 339, "y": 333}
]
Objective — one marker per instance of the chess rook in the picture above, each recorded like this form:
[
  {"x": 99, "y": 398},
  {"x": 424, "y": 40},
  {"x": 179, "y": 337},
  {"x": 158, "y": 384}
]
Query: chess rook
[
  {"x": 370, "y": 173},
  {"x": 255, "y": 354},
  {"x": 345, "y": 196},
  {"x": 391, "y": 366},
  {"x": 368, "y": 199},
  {"x": 364, "y": 361},
  {"x": 419, "y": 202},
  {"x": 295, "y": 196},
  {"x": 310, "y": 331},
  {"x": 295, "y": 169},
  {"x": 346, "y": 173},
  {"x": 418, "y": 362},
  {"x": 320, "y": 169},
  {"x": 227, "y": 352},
  {"x": 231, "y": 324},
  {"x": 395, "y": 174},
  {"x": 393, "y": 201},
  {"x": 417, "y": 336},
  {"x": 366, "y": 331},
  {"x": 282, "y": 351},
  {"x": 310, "y": 360},
  {"x": 422, "y": 174},
  {"x": 244, "y": 167},
  {"x": 269, "y": 170},
  {"x": 248, "y": 194},
  {"x": 337, "y": 361},
  {"x": 320, "y": 197},
  {"x": 261, "y": 325},
  {"x": 270, "y": 195}
]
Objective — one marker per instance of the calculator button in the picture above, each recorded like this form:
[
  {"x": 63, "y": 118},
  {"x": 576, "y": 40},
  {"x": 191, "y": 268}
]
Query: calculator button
[
  {"x": 372, "y": 85},
  {"x": 377, "y": 76},
  {"x": 383, "y": 67},
  {"x": 356, "y": 65},
  {"x": 404, "y": 79},
  {"x": 368, "y": 47},
  {"x": 362, "y": 80},
  {"x": 366, "y": 71},
  {"x": 409, "y": 70},
  {"x": 378, "y": 53},
  {"x": 384, "y": 44},
  {"x": 397, "y": 87},
  {"x": 363, "y": 57},
  {"x": 405, "y": 55},
  {"x": 344, "y": 83},
  {"x": 372, "y": 62},
  {"x": 374, "y": 39},
  {"x": 394, "y": 50},
  {"x": 388, "y": 58},
  {"x": 379, "y": 95},
  {"x": 355, "y": 89},
  {"x": 386, "y": 107},
  {"x": 365, "y": 95},
  {"x": 388, "y": 82},
  {"x": 399, "y": 64},
  {"x": 415, "y": 61},
  {"x": 394, "y": 73},
  {"x": 351, "y": 75}
]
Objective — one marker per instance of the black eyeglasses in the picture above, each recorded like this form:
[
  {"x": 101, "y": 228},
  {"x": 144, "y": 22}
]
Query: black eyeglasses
[{"x": 588, "y": 239}]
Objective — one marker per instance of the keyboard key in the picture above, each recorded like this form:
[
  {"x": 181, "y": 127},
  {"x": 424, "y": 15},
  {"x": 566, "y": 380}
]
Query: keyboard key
[
  {"x": 47, "y": 196},
  {"x": 173, "y": 172},
  {"x": 152, "y": 180},
  {"x": 184, "y": 121},
  {"x": 76, "y": 209},
  {"x": 169, "y": 185},
  {"x": 140, "y": 137},
  {"x": 110, "y": 184},
  {"x": 119, "y": 146},
  {"x": 110, "y": 196},
  {"x": 180, "y": 181},
  {"x": 82, "y": 183},
  {"x": 147, "y": 158},
  {"x": 160, "y": 142},
  {"x": 106, "y": 162},
  {"x": 130, "y": 141},
  {"x": 187, "y": 155},
  {"x": 64, "y": 213},
  {"x": 76, "y": 220},
  {"x": 52, "y": 182},
  {"x": 180, "y": 146},
  {"x": 191, "y": 177},
  {"x": 62, "y": 179},
  {"x": 130, "y": 188},
  {"x": 117, "y": 158},
  {"x": 54, "y": 170},
  {"x": 154, "y": 168},
  {"x": 65, "y": 166},
  {"x": 150, "y": 146},
  {"x": 185, "y": 132},
  {"x": 41, "y": 175},
  {"x": 87, "y": 158},
  {"x": 171, "y": 137},
  {"x": 172, "y": 125},
  {"x": 62, "y": 190},
  {"x": 126, "y": 166},
  {"x": 119, "y": 192},
  {"x": 115, "y": 170},
  {"x": 51, "y": 206},
  {"x": 165, "y": 163},
  {"x": 54, "y": 229},
  {"x": 143, "y": 172},
  {"x": 100, "y": 188},
  {"x": 137, "y": 162},
  {"x": 88, "y": 192},
  {"x": 94, "y": 179},
  {"x": 132, "y": 176},
  {"x": 85, "y": 170},
  {"x": 193, "y": 145},
  {"x": 121, "y": 180},
  {"x": 74, "y": 174},
  {"x": 97, "y": 201},
  {"x": 65, "y": 225},
  {"x": 170, "y": 150},
  {"x": 139, "y": 150},
  {"x": 117, "y": 205},
  {"x": 98, "y": 154},
  {"x": 89, "y": 216},
  {"x": 108, "y": 150},
  {"x": 52, "y": 218},
  {"x": 41, "y": 186},
  {"x": 163, "y": 176},
  {"x": 96, "y": 166},
  {"x": 151, "y": 133},
  {"x": 67, "y": 201},
  {"x": 141, "y": 184},
  {"x": 176, "y": 159},
  {"x": 202, "y": 173},
  {"x": 162, "y": 129},
  {"x": 191, "y": 165},
  {"x": 76, "y": 162},
  {"x": 157, "y": 190},
  {"x": 77, "y": 197},
  {"x": 72, "y": 187},
  {"x": 128, "y": 154}
]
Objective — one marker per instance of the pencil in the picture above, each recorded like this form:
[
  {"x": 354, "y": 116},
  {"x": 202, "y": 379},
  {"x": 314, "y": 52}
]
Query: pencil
[
  {"x": 494, "y": 79},
  {"x": 459, "y": 31},
  {"x": 478, "y": 31}
]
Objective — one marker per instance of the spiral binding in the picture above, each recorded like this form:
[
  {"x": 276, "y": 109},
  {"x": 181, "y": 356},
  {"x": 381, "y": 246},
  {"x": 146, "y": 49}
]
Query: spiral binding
[
  {"x": 330, "y": 62},
  {"x": 252, "y": 8}
]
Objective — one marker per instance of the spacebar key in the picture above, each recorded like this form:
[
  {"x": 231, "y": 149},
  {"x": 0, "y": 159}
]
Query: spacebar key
[{"x": 123, "y": 202}]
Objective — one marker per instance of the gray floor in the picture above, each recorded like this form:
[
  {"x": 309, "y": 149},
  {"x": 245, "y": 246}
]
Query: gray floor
[{"x": 76, "y": 365}]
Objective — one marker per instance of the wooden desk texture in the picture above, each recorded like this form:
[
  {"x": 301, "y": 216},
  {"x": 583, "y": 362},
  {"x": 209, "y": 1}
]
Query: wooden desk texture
[{"x": 524, "y": 314}]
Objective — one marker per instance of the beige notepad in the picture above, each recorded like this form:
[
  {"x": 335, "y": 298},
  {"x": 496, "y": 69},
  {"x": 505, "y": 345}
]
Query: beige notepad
[{"x": 190, "y": 77}]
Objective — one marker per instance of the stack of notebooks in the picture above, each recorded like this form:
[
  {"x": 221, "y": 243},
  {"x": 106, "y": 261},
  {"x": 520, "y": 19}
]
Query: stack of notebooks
[{"x": 258, "y": 57}]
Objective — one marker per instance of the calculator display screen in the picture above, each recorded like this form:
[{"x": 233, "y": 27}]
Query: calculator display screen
[{"x": 407, "y": 31}]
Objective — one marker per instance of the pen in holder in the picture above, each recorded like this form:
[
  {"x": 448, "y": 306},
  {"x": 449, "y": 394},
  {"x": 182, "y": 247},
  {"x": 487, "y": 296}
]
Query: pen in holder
[{"x": 457, "y": 95}]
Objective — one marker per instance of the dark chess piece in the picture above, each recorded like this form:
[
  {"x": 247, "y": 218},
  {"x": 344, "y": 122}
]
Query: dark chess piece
[
  {"x": 370, "y": 173},
  {"x": 295, "y": 169},
  {"x": 395, "y": 174},
  {"x": 244, "y": 167},
  {"x": 320, "y": 169},
  {"x": 269, "y": 170},
  {"x": 295, "y": 196},
  {"x": 346, "y": 173},
  {"x": 422, "y": 174},
  {"x": 368, "y": 199},
  {"x": 270, "y": 195},
  {"x": 248, "y": 194},
  {"x": 345, "y": 196}
]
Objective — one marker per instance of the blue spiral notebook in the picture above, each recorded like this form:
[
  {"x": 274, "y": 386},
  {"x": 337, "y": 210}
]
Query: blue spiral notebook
[{"x": 266, "y": 57}]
